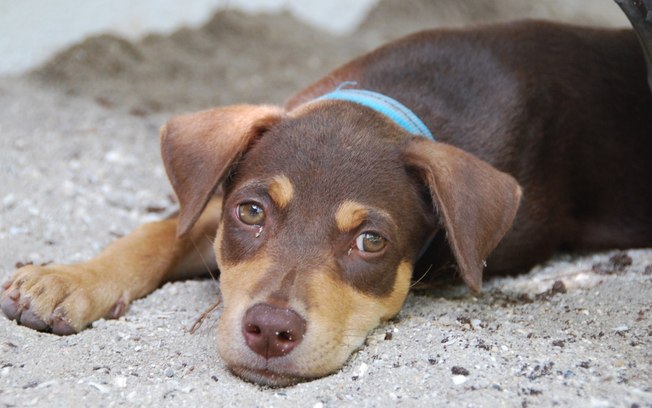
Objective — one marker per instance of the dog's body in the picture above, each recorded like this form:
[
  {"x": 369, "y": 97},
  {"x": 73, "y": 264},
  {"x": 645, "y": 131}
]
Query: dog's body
[{"x": 323, "y": 207}]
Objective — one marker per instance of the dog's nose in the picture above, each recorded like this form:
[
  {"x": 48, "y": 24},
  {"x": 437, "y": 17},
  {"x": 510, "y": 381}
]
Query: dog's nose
[{"x": 271, "y": 331}]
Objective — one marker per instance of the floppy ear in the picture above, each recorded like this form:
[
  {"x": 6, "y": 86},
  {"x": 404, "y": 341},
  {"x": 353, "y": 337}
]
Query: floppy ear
[
  {"x": 476, "y": 202},
  {"x": 199, "y": 148}
]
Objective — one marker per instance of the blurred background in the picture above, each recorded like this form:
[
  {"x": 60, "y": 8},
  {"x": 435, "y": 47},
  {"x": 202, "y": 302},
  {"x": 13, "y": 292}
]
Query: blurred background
[
  {"x": 162, "y": 55},
  {"x": 32, "y": 30}
]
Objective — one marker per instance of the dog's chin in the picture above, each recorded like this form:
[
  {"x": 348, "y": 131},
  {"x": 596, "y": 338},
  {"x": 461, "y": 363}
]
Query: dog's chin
[{"x": 267, "y": 377}]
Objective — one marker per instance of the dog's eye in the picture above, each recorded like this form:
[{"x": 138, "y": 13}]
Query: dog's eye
[
  {"x": 251, "y": 214},
  {"x": 370, "y": 242}
]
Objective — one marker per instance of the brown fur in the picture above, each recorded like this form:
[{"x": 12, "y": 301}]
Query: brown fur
[{"x": 543, "y": 143}]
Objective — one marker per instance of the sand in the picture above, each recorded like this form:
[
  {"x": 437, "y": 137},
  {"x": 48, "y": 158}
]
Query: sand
[{"x": 80, "y": 166}]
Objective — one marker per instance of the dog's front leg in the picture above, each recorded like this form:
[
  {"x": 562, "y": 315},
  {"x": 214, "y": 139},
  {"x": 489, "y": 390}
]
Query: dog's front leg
[{"x": 66, "y": 298}]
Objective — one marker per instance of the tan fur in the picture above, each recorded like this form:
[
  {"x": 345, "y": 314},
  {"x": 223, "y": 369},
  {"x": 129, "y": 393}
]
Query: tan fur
[
  {"x": 344, "y": 317},
  {"x": 237, "y": 282},
  {"x": 350, "y": 215},
  {"x": 130, "y": 268},
  {"x": 340, "y": 318},
  {"x": 281, "y": 190}
]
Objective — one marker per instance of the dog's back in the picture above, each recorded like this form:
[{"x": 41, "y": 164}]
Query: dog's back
[{"x": 563, "y": 109}]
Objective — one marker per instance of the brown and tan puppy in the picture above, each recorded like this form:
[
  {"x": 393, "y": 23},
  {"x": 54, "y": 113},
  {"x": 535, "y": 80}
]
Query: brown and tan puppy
[{"x": 320, "y": 209}]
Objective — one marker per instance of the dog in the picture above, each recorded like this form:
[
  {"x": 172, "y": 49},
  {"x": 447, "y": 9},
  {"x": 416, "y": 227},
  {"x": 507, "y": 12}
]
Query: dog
[{"x": 486, "y": 148}]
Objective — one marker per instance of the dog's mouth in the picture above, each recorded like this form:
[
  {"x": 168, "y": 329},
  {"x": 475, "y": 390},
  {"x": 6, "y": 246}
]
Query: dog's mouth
[{"x": 267, "y": 377}]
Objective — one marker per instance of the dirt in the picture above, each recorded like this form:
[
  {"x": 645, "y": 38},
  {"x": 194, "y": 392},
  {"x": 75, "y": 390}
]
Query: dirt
[
  {"x": 80, "y": 166},
  {"x": 238, "y": 58}
]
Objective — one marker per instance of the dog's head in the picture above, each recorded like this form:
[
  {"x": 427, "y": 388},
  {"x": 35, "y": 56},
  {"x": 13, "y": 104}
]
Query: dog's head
[{"x": 325, "y": 210}]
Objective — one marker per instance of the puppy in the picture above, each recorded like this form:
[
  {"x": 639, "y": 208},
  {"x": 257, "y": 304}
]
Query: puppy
[{"x": 487, "y": 149}]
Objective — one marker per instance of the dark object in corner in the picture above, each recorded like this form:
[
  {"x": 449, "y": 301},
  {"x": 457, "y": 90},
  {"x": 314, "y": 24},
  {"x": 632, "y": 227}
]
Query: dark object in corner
[{"x": 639, "y": 13}]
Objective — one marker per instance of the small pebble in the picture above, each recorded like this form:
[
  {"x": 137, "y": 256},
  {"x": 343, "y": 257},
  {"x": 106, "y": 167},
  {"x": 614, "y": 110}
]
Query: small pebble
[
  {"x": 168, "y": 372},
  {"x": 21, "y": 144},
  {"x": 120, "y": 382},
  {"x": 457, "y": 370},
  {"x": 459, "y": 379},
  {"x": 114, "y": 156},
  {"x": 361, "y": 370},
  {"x": 48, "y": 384},
  {"x": 18, "y": 230},
  {"x": 101, "y": 388},
  {"x": 9, "y": 200}
]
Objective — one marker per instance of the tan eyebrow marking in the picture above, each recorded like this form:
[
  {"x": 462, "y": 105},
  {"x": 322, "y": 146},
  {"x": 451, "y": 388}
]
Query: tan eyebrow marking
[
  {"x": 350, "y": 215},
  {"x": 281, "y": 190}
]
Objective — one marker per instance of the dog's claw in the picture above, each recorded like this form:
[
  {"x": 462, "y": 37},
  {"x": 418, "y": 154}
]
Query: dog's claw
[
  {"x": 19, "y": 310},
  {"x": 9, "y": 304},
  {"x": 29, "y": 319},
  {"x": 60, "y": 324},
  {"x": 53, "y": 298},
  {"x": 117, "y": 310}
]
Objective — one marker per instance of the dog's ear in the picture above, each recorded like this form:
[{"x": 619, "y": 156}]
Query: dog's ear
[
  {"x": 198, "y": 150},
  {"x": 476, "y": 202}
]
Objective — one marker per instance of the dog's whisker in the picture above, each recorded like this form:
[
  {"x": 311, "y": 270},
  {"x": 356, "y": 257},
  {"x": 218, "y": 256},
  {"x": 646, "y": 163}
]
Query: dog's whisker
[
  {"x": 203, "y": 260},
  {"x": 210, "y": 239},
  {"x": 204, "y": 315},
  {"x": 416, "y": 282}
]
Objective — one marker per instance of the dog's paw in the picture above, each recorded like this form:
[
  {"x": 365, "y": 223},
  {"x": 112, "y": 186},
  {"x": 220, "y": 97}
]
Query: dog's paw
[{"x": 62, "y": 299}]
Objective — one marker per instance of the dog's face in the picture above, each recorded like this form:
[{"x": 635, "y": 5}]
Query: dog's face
[
  {"x": 322, "y": 218},
  {"x": 325, "y": 211}
]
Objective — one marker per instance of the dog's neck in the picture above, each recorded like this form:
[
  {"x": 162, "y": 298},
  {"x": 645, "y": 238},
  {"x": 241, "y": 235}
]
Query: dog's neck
[{"x": 383, "y": 104}]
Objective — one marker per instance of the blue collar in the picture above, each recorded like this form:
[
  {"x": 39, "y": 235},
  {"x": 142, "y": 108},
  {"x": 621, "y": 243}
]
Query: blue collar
[{"x": 383, "y": 104}]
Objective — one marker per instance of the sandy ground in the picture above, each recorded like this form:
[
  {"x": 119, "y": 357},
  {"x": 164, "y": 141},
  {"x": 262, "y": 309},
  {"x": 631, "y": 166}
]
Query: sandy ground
[{"x": 79, "y": 164}]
